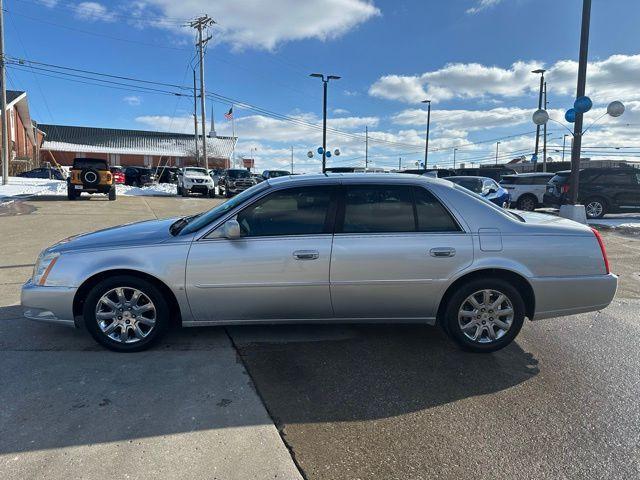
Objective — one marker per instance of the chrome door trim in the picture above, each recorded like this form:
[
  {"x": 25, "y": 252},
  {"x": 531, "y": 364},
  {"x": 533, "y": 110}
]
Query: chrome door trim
[{"x": 261, "y": 285}]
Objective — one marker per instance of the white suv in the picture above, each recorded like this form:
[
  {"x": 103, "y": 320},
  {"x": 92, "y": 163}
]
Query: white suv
[
  {"x": 526, "y": 189},
  {"x": 195, "y": 180}
]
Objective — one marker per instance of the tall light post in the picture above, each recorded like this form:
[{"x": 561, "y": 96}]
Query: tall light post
[
  {"x": 426, "y": 146},
  {"x": 564, "y": 144},
  {"x": 541, "y": 72},
  {"x": 325, "y": 81},
  {"x": 454, "y": 157},
  {"x": 497, "y": 148}
]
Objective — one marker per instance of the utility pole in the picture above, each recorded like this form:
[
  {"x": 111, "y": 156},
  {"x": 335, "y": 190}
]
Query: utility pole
[
  {"x": 580, "y": 90},
  {"x": 199, "y": 24},
  {"x": 564, "y": 143},
  {"x": 544, "y": 145},
  {"x": 366, "y": 147},
  {"x": 497, "y": 147},
  {"x": 3, "y": 104},
  {"x": 325, "y": 81},
  {"x": 454, "y": 157},
  {"x": 399, "y": 163},
  {"x": 195, "y": 117},
  {"x": 291, "y": 158},
  {"x": 426, "y": 146}
]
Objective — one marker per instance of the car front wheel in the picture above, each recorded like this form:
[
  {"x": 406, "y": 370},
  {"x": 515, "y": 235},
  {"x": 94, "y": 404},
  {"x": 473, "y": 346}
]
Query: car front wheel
[
  {"x": 527, "y": 203},
  {"x": 484, "y": 315},
  {"x": 126, "y": 314}
]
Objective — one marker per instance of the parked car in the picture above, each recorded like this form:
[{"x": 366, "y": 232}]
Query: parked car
[
  {"x": 235, "y": 180},
  {"x": 432, "y": 172},
  {"x": 257, "y": 177},
  {"x": 167, "y": 174},
  {"x": 43, "y": 172},
  {"x": 495, "y": 173},
  {"x": 402, "y": 248},
  {"x": 486, "y": 187},
  {"x": 139, "y": 176},
  {"x": 195, "y": 180},
  {"x": 526, "y": 189},
  {"x": 601, "y": 190},
  {"x": 267, "y": 174},
  {"x": 118, "y": 174},
  {"x": 91, "y": 175}
]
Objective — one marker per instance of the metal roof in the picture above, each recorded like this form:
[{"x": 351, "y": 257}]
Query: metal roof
[{"x": 65, "y": 138}]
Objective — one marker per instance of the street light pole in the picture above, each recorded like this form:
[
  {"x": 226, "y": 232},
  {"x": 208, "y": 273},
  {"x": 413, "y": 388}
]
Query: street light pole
[
  {"x": 541, "y": 72},
  {"x": 3, "y": 105},
  {"x": 454, "y": 157},
  {"x": 497, "y": 147},
  {"x": 582, "y": 83},
  {"x": 325, "y": 81},
  {"x": 426, "y": 146},
  {"x": 564, "y": 143},
  {"x": 544, "y": 132}
]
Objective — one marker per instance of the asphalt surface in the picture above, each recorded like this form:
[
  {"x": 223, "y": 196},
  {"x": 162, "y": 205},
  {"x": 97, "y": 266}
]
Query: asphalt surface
[{"x": 351, "y": 402}]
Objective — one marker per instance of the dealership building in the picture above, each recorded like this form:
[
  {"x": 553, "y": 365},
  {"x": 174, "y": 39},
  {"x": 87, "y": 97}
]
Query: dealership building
[{"x": 62, "y": 143}]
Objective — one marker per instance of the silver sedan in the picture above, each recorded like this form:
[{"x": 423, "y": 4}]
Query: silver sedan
[{"x": 326, "y": 248}]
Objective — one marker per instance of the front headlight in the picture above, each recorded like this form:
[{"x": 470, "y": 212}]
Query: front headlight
[{"x": 43, "y": 266}]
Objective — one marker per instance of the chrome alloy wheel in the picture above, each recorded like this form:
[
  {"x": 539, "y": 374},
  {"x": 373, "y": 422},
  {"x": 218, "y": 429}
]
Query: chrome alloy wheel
[
  {"x": 594, "y": 209},
  {"x": 125, "y": 314},
  {"x": 485, "y": 316}
]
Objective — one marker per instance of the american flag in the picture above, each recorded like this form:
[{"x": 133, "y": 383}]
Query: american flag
[{"x": 229, "y": 114}]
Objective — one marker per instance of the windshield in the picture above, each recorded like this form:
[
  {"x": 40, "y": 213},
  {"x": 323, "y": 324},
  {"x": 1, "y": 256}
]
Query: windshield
[
  {"x": 238, "y": 173},
  {"x": 473, "y": 184},
  {"x": 206, "y": 218},
  {"x": 197, "y": 171}
]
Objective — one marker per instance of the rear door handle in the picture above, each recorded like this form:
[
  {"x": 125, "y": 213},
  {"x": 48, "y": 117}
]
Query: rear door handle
[
  {"x": 306, "y": 254},
  {"x": 442, "y": 252}
]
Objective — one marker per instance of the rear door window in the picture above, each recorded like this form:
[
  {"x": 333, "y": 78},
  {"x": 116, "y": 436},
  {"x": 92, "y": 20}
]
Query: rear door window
[
  {"x": 431, "y": 214},
  {"x": 378, "y": 209}
]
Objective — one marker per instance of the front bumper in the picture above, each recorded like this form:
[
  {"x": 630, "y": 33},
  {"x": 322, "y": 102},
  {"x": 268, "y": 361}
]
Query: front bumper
[
  {"x": 200, "y": 188},
  {"x": 48, "y": 304},
  {"x": 560, "y": 296}
]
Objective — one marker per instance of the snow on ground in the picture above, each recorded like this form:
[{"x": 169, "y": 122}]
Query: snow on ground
[{"x": 19, "y": 187}]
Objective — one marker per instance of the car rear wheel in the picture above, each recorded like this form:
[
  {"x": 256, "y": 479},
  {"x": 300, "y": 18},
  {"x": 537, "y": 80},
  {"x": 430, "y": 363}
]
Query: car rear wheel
[
  {"x": 112, "y": 193},
  {"x": 527, "y": 202},
  {"x": 212, "y": 193},
  {"x": 185, "y": 192},
  {"x": 484, "y": 315},
  {"x": 71, "y": 192},
  {"x": 595, "y": 207},
  {"x": 126, "y": 314}
]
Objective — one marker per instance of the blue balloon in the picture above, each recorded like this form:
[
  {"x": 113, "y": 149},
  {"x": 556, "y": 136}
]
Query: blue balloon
[
  {"x": 320, "y": 150},
  {"x": 582, "y": 104},
  {"x": 570, "y": 115},
  {"x": 534, "y": 158},
  {"x": 328, "y": 153}
]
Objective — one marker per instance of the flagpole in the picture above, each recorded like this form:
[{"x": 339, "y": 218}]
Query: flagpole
[{"x": 233, "y": 134}]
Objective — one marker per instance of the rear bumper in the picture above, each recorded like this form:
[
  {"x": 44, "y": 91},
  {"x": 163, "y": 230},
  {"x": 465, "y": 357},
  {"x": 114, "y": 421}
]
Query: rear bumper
[
  {"x": 48, "y": 304},
  {"x": 552, "y": 201},
  {"x": 560, "y": 296}
]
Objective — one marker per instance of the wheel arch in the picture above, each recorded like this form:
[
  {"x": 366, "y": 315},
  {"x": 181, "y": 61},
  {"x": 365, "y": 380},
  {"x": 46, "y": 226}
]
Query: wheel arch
[
  {"x": 175, "y": 314},
  {"x": 517, "y": 280},
  {"x": 528, "y": 194}
]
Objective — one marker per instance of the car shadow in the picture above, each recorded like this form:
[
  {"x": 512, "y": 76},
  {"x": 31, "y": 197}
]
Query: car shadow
[{"x": 60, "y": 389}]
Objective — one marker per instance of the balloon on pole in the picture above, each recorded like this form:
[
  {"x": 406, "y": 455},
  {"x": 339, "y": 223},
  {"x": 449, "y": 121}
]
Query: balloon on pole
[
  {"x": 582, "y": 104},
  {"x": 570, "y": 115},
  {"x": 615, "y": 109},
  {"x": 540, "y": 117}
]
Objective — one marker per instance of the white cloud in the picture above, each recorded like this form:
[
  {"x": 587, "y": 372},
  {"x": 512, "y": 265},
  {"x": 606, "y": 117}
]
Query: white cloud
[
  {"x": 93, "y": 11},
  {"x": 340, "y": 111},
  {"x": 133, "y": 100},
  {"x": 266, "y": 24},
  {"x": 614, "y": 77},
  {"x": 482, "y": 5},
  {"x": 48, "y": 3}
]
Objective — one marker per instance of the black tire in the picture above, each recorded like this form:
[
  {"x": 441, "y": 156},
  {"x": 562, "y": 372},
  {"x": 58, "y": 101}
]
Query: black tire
[
  {"x": 212, "y": 193},
  {"x": 185, "y": 192},
  {"x": 135, "y": 183},
  {"x": 71, "y": 193},
  {"x": 227, "y": 193},
  {"x": 527, "y": 202},
  {"x": 178, "y": 190},
  {"x": 149, "y": 289},
  {"x": 90, "y": 177},
  {"x": 596, "y": 207},
  {"x": 456, "y": 301},
  {"x": 112, "y": 193}
]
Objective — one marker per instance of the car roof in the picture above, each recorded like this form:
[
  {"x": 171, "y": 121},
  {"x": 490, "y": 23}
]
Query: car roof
[
  {"x": 333, "y": 178},
  {"x": 531, "y": 174},
  {"x": 475, "y": 177}
]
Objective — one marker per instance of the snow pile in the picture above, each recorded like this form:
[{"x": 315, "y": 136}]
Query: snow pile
[
  {"x": 19, "y": 187},
  {"x": 622, "y": 224}
]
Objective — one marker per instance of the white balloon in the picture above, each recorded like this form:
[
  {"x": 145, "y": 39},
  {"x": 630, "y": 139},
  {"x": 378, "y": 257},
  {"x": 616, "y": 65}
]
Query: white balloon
[
  {"x": 336, "y": 151},
  {"x": 615, "y": 109},
  {"x": 310, "y": 154},
  {"x": 540, "y": 117}
]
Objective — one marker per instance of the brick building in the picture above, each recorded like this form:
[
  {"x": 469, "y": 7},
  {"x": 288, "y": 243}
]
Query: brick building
[
  {"x": 24, "y": 137},
  {"x": 63, "y": 143}
]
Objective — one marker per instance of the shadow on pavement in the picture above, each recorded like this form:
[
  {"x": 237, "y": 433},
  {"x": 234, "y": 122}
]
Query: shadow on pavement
[{"x": 60, "y": 389}]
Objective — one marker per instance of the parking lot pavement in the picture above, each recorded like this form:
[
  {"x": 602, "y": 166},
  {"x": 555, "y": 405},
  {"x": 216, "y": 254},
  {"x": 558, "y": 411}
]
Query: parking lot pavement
[{"x": 351, "y": 401}]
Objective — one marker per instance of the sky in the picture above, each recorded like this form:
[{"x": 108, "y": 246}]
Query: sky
[{"x": 471, "y": 58}]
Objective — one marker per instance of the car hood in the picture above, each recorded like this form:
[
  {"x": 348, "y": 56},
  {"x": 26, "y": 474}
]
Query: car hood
[
  {"x": 196, "y": 175},
  {"x": 133, "y": 234}
]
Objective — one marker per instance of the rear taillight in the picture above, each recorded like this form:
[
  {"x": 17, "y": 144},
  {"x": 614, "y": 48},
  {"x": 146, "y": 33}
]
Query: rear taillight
[
  {"x": 564, "y": 188},
  {"x": 602, "y": 249}
]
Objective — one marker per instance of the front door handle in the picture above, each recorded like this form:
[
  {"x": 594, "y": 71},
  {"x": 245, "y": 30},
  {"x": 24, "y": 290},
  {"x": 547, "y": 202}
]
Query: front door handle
[
  {"x": 306, "y": 254},
  {"x": 442, "y": 252}
]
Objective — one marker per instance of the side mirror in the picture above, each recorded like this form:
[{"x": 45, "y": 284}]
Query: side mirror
[
  {"x": 491, "y": 190},
  {"x": 230, "y": 229}
]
